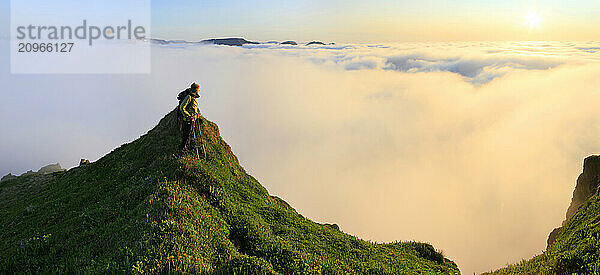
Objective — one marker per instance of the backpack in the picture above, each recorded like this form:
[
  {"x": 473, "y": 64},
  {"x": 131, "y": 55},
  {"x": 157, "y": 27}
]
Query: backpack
[{"x": 181, "y": 96}]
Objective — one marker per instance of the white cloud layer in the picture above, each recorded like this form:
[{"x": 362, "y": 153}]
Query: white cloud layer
[{"x": 474, "y": 147}]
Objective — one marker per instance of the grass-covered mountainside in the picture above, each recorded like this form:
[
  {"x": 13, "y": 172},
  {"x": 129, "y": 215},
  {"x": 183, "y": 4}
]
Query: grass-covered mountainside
[
  {"x": 575, "y": 251},
  {"x": 576, "y": 247},
  {"x": 143, "y": 209}
]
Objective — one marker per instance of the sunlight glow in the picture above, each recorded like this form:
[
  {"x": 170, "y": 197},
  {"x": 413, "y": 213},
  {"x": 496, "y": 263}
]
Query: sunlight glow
[{"x": 533, "y": 19}]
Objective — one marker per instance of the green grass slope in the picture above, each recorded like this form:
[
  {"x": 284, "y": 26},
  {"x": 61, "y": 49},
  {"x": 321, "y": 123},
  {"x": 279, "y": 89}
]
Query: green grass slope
[
  {"x": 576, "y": 249},
  {"x": 142, "y": 209}
]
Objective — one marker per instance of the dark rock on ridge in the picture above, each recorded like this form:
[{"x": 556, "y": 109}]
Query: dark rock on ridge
[{"x": 587, "y": 185}]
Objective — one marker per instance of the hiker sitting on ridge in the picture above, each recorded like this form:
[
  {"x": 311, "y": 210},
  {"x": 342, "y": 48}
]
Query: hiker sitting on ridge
[{"x": 188, "y": 110}]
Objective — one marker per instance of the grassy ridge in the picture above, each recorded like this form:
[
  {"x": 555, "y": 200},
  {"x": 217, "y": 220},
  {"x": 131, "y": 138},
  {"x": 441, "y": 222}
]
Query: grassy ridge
[
  {"x": 143, "y": 209},
  {"x": 576, "y": 249}
]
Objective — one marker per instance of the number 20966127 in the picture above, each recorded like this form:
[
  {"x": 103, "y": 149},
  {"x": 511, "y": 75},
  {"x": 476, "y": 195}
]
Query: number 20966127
[{"x": 45, "y": 47}]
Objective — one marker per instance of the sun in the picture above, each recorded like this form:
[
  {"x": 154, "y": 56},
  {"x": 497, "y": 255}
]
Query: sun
[{"x": 533, "y": 19}]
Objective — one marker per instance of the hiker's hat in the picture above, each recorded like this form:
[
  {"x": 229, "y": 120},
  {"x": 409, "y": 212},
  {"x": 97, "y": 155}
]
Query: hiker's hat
[{"x": 195, "y": 89}]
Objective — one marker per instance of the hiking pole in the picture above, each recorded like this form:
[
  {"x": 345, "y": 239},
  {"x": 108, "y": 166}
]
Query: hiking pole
[
  {"x": 195, "y": 139},
  {"x": 203, "y": 149}
]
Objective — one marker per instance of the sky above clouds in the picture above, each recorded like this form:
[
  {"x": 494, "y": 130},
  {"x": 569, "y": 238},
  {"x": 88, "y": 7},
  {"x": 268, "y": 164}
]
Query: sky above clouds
[
  {"x": 370, "y": 21},
  {"x": 376, "y": 21}
]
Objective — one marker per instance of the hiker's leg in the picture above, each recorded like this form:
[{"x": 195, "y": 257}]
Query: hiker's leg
[
  {"x": 185, "y": 135},
  {"x": 187, "y": 129}
]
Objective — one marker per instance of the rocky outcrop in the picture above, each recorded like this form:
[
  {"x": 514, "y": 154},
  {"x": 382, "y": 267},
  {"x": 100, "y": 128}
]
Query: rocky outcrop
[
  {"x": 48, "y": 169},
  {"x": 289, "y": 43},
  {"x": 587, "y": 184},
  {"x": 51, "y": 168}
]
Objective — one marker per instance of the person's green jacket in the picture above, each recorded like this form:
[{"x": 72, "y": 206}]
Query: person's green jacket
[{"x": 189, "y": 107}]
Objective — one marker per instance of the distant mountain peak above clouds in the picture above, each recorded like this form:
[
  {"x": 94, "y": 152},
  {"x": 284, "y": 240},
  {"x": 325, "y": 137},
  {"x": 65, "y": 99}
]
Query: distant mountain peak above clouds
[
  {"x": 228, "y": 41},
  {"x": 232, "y": 41}
]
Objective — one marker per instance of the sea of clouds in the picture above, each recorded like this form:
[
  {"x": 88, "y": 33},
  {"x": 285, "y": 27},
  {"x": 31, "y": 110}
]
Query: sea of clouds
[{"x": 473, "y": 147}]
